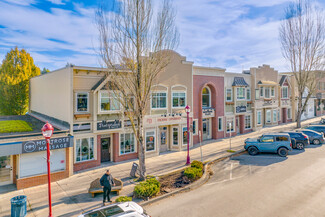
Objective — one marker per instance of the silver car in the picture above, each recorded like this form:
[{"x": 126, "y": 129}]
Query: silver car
[{"x": 125, "y": 209}]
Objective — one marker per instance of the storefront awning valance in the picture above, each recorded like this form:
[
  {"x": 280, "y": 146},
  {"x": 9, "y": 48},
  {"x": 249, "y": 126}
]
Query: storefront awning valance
[
  {"x": 239, "y": 82},
  {"x": 267, "y": 83}
]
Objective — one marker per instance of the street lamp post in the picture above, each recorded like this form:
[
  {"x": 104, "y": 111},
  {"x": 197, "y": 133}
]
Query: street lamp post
[
  {"x": 187, "y": 110},
  {"x": 47, "y": 131}
]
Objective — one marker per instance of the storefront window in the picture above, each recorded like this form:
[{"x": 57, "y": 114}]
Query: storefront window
[
  {"x": 150, "y": 141},
  {"x": 159, "y": 100},
  {"x": 184, "y": 135},
  {"x": 259, "y": 117},
  {"x": 179, "y": 100},
  {"x": 248, "y": 122},
  {"x": 127, "y": 143},
  {"x": 109, "y": 102},
  {"x": 84, "y": 149},
  {"x": 268, "y": 116},
  {"x": 240, "y": 93},
  {"x": 230, "y": 128},
  {"x": 175, "y": 136},
  {"x": 5, "y": 169},
  {"x": 274, "y": 115},
  {"x": 82, "y": 102},
  {"x": 206, "y": 97}
]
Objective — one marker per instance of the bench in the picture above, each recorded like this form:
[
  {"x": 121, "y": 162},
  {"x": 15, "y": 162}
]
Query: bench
[{"x": 96, "y": 188}]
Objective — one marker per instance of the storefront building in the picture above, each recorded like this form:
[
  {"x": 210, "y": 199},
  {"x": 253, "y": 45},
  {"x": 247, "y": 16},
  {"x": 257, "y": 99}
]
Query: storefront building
[
  {"x": 208, "y": 97},
  {"x": 238, "y": 101},
  {"x": 101, "y": 131},
  {"x": 23, "y": 156}
]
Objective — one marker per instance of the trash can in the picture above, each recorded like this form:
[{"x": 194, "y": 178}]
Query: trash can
[{"x": 18, "y": 206}]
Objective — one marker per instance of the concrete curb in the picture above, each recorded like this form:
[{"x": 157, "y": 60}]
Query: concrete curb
[{"x": 205, "y": 177}]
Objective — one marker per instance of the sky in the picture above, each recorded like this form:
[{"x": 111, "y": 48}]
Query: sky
[{"x": 231, "y": 34}]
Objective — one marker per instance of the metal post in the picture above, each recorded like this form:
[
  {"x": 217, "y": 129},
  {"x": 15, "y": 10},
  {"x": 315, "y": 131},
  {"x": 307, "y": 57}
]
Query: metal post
[
  {"x": 230, "y": 135},
  {"x": 188, "y": 161},
  {"x": 49, "y": 176},
  {"x": 200, "y": 138}
]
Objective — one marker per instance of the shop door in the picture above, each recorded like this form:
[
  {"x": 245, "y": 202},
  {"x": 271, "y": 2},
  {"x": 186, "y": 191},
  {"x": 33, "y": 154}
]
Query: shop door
[
  {"x": 106, "y": 145},
  {"x": 5, "y": 170},
  {"x": 206, "y": 129},
  {"x": 163, "y": 139}
]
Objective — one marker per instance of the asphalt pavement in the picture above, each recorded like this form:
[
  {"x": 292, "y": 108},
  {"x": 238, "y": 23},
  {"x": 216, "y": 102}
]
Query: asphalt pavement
[{"x": 262, "y": 185}]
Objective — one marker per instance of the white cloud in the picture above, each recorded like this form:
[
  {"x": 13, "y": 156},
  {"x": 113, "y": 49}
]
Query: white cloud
[
  {"x": 21, "y": 2},
  {"x": 57, "y": 2}
]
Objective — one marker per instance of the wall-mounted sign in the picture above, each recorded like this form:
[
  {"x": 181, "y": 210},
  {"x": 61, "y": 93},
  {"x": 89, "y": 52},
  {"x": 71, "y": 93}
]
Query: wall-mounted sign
[
  {"x": 109, "y": 125},
  {"x": 40, "y": 145},
  {"x": 240, "y": 109},
  {"x": 267, "y": 103},
  {"x": 208, "y": 112},
  {"x": 127, "y": 123}
]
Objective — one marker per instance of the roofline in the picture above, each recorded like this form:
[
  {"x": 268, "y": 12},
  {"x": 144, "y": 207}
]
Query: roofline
[{"x": 206, "y": 67}]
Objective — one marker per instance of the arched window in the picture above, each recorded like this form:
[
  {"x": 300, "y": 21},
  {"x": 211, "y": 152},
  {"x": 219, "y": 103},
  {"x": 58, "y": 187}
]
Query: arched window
[{"x": 206, "y": 97}]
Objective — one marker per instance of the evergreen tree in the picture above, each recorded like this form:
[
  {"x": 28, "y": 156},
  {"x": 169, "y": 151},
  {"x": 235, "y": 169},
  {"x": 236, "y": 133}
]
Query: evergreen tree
[
  {"x": 16, "y": 70},
  {"x": 45, "y": 70}
]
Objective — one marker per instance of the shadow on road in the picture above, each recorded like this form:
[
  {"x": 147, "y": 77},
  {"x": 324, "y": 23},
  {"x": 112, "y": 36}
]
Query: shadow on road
[{"x": 258, "y": 160}]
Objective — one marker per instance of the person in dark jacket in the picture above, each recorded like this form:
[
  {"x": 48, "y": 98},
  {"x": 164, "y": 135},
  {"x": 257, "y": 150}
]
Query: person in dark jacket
[{"x": 107, "y": 182}]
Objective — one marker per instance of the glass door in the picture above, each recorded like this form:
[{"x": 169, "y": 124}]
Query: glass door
[
  {"x": 206, "y": 134},
  {"x": 5, "y": 170},
  {"x": 105, "y": 145}
]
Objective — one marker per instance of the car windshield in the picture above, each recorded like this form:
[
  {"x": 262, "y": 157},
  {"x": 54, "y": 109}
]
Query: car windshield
[{"x": 106, "y": 212}]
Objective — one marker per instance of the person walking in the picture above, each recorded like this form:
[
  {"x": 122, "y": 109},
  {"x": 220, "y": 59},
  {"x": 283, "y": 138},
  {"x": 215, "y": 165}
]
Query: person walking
[{"x": 107, "y": 182}]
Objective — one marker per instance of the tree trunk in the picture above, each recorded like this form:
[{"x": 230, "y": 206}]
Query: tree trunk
[
  {"x": 299, "y": 112},
  {"x": 141, "y": 151}
]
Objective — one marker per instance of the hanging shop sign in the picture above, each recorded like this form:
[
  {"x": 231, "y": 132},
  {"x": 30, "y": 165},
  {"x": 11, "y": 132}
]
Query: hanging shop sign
[
  {"x": 240, "y": 109},
  {"x": 208, "y": 112},
  {"x": 40, "y": 145}
]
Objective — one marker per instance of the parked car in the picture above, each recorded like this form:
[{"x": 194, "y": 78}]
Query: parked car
[
  {"x": 272, "y": 142},
  {"x": 124, "y": 209},
  {"x": 321, "y": 122},
  {"x": 298, "y": 140},
  {"x": 314, "y": 137},
  {"x": 317, "y": 128}
]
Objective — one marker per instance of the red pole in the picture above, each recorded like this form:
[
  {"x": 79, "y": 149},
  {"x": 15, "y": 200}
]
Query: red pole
[
  {"x": 49, "y": 175},
  {"x": 188, "y": 161}
]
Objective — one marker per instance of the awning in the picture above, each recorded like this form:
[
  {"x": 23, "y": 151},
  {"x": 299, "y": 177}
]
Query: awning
[
  {"x": 239, "y": 82},
  {"x": 267, "y": 83}
]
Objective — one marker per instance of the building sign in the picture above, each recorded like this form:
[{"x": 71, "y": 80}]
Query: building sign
[
  {"x": 173, "y": 119},
  {"x": 240, "y": 109},
  {"x": 40, "y": 145},
  {"x": 208, "y": 112},
  {"x": 267, "y": 103},
  {"x": 109, "y": 125},
  {"x": 127, "y": 123}
]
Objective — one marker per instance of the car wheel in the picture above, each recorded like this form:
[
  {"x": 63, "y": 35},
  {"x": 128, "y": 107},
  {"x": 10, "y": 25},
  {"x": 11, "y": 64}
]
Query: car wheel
[
  {"x": 252, "y": 150},
  {"x": 300, "y": 146},
  {"x": 316, "y": 142},
  {"x": 282, "y": 152}
]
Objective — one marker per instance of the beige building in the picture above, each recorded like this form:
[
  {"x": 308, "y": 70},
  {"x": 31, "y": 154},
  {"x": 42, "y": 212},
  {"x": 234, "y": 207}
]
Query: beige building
[{"x": 80, "y": 97}]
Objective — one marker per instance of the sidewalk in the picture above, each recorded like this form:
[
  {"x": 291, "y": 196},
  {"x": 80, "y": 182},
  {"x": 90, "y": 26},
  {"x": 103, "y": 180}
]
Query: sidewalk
[{"x": 70, "y": 196}]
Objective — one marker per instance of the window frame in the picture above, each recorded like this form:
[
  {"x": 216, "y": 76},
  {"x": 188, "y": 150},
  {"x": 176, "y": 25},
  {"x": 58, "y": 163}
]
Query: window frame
[
  {"x": 209, "y": 97},
  {"x": 134, "y": 140},
  {"x": 220, "y": 124},
  {"x": 282, "y": 92},
  {"x": 231, "y": 95},
  {"x": 288, "y": 118},
  {"x": 100, "y": 102},
  {"x": 258, "y": 114},
  {"x": 232, "y": 125},
  {"x": 248, "y": 90},
  {"x": 261, "y": 92},
  {"x": 76, "y": 100},
  {"x": 151, "y": 98},
  {"x": 172, "y": 99},
  {"x": 89, "y": 143},
  {"x": 269, "y": 93},
  {"x": 196, "y": 127},
  {"x": 177, "y": 128},
  {"x": 244, "y": 94},
  {"x": 269, "y": 111},
  {"x": 272, "y": 91},
  {"x": 250, "y": 122}
]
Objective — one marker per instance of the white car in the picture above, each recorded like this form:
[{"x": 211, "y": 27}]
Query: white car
[{"x": 125, "y": 209}]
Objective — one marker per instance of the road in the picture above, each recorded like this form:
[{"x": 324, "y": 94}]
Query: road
[{"x": 262, "y": 185}]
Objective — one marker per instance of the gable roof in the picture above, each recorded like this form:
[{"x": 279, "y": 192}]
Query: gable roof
[
  {"x": 239, "y": 82},
  {"x": 282, "y": 80}
]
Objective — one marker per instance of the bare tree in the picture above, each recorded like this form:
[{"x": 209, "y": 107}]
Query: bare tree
[
  {"x": 302, "y": 37},
  {"x": 135, "y": 43}
]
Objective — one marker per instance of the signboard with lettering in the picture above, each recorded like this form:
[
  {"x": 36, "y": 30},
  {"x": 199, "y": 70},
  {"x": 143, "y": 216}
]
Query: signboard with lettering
[
  {"x": 40, "y": 145},
  {"x": 109, "y": 125},
  {"x": 208, "y": 112},
  {"x": 240, "y": 109}
]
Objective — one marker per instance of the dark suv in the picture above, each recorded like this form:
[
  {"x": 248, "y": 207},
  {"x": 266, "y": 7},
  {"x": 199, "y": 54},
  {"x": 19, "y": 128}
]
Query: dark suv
[
  {"x": 299, "y": 140},
  {"x": 314, "y": 137},
  {"x": 317, "y": 128}
]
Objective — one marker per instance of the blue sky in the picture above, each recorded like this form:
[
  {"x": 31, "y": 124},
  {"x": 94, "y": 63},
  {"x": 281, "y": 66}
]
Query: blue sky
[{"x": 231, "y": 34}]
